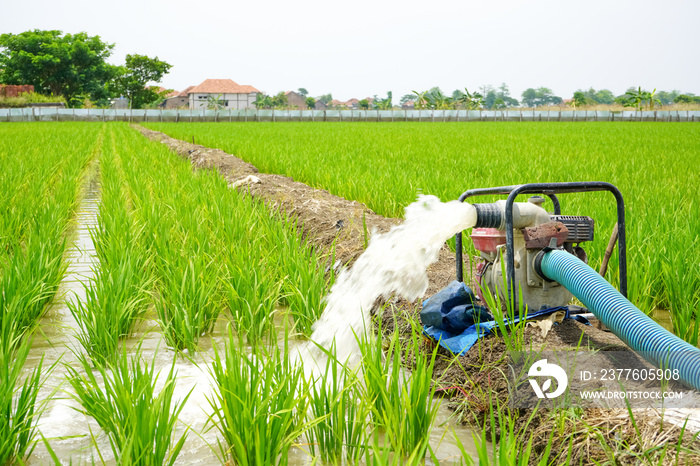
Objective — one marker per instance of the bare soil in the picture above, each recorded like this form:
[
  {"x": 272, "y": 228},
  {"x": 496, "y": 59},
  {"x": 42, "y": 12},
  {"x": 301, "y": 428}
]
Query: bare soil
[{"x": 470, "y": 382}]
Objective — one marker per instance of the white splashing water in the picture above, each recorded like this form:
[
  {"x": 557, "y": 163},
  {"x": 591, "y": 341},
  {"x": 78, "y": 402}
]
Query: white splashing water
[{"x": 394, "y": 262}]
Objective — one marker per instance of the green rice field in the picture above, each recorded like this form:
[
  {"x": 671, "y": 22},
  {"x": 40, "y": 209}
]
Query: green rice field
[
  {"x": 386, "y": 165},
  {"x": 176, "y": 343}
]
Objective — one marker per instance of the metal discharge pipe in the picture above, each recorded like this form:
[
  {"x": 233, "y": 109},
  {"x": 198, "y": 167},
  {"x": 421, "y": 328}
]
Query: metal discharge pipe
[{"x": 656, "y": 344}]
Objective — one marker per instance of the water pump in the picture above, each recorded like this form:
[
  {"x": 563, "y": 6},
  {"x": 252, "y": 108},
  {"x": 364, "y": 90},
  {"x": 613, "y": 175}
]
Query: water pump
[
  {"x": 533, "y": 230},
  {"x": 510, "y": 236},
  {"x": 540, "y": 254}
]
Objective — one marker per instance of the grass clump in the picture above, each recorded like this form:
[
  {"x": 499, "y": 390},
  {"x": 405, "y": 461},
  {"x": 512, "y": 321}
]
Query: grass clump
[
  {"x": 138, "y": 418},
  {"x": 20, "y": 408},
  {"x": 339, "y": 414},
  {"x": 26, "y": 98},
  {"x": 403, "y": 405},
  {"x": 258, "y": 404}
]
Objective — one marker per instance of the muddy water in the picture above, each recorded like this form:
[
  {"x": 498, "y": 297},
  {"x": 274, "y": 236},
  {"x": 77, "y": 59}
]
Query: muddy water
[
  {"x": 69, "y": 431},
  {"x": 56, "y": 341}
]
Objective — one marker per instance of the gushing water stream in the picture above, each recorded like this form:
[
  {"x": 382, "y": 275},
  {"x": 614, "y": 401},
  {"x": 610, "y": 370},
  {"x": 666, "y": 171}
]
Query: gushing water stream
[{"x": 394, "y": 262}]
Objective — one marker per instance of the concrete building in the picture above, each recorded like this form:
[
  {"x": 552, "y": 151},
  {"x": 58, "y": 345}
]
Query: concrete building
[
  {"x": 296, "y": 100},
  {"x": 180, "y": 100},
  {"x": 231, "y": 95}
]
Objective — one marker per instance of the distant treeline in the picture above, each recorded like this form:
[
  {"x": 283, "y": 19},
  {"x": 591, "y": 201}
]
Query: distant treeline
[{"x": 488, "y": 97}]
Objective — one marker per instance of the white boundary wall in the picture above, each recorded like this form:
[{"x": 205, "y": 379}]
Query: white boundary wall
[{"x": 68, "y": 114}]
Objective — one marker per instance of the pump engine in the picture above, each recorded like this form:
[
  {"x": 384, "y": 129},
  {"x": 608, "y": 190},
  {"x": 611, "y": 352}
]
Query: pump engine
[{"x": 533, "y": 230}]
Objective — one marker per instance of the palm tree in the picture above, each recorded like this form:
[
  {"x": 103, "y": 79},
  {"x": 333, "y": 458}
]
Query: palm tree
[
  {"x": 421, "y": 101},
  {"x": 215, "y": 103},
  {"x": 471, "y": 101},
  {"x": 439, "y": 101},
  {"x": 652, "y": 99},
  {"x": 636, "y": 98},
  {"x": 262, "y": 101},
  {"x": 384, "y": 104}
]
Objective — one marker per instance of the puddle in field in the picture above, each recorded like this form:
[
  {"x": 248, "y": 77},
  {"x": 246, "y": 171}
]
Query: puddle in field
[
  {"x": 57, "y": 337},
  {"x": 663, "y": 318},
  {"x": 68, "y": 430}
]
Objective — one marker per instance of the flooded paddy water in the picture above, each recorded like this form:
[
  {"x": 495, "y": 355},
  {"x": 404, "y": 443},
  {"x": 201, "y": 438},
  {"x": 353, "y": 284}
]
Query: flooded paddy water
[{"x": 72, "y": 435}]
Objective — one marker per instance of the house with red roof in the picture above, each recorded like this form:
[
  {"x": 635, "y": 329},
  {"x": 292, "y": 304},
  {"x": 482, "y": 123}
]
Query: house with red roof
[
  {"x": 335, "y": 103},
  {"x": 295, "y": 100},
  {"x": 179, "y": 100},
  {"x": 231, "y": 94}
]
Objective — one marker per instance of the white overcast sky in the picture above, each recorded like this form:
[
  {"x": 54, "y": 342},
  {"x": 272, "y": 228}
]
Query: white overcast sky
[{"x": 364, "y": 47}]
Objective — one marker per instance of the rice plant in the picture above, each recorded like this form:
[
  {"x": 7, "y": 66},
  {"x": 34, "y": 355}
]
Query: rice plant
[
  {"x": 40, "y": 181},
  {"x": 339, "y": 431},
  {"x": 116, "y": 295},
  {"x": 305, "y": 284},
  {"x": 20, "y": 406},
  {"x": 212, "y": 249},
  {"x": 508, "y": 442},
  {"x": 258, "y": 404},
  {"x": 188, "y": 305},
  {"x": 253, "y": 295},
  {"x": 138, "y": 417},
  {"x": 113, "y": 301},
  {"x": 402, "y": 404}
]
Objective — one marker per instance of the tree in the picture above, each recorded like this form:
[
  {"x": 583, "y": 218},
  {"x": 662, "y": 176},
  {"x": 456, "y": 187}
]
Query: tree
[
  {"x": 485, "y": 89},
  {"x": 579, "y": 99},
  {"x": 132, "y": 79},
  {"x": 457, "y": 95},
  {"x": 639, "y": 98},
  {"x": 437, "y": 100},
  {"x": 687, "y": 99},
  {"x": 326, "y": 98},
  {"x": 310, "y": 103},
  {"x": 303, "y": 91},
  {"x": 539, "y": 97},
  {"x": 490, "y": 99},
  {"x": 651, "y": 99},
  {"x": 406, "y": 97},
  {"x": 279, "y": 100},
  {"x": 667, "y": 97},
  {"x": 635, "y": 98},
  {"x": 502, "y": 94},
  {"x": 262, "y": 101},
  {"x": 162, "y": 94},
  {"x": 384, "y": 104},
  {"x": 603, "y": 96},
  {"x": 364, "y": 104},
  {"x": 72, "y": 65}
]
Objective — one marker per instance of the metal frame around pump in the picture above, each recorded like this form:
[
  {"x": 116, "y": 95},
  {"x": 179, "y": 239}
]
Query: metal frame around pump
[{"x": 551, "y": 190}]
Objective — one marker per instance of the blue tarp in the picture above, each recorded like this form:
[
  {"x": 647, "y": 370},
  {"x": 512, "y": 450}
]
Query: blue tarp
[
  {"x": 460, "y": 343},
  {"x": 446, "y": 313},
  {"x": 453, "y": 309}
]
